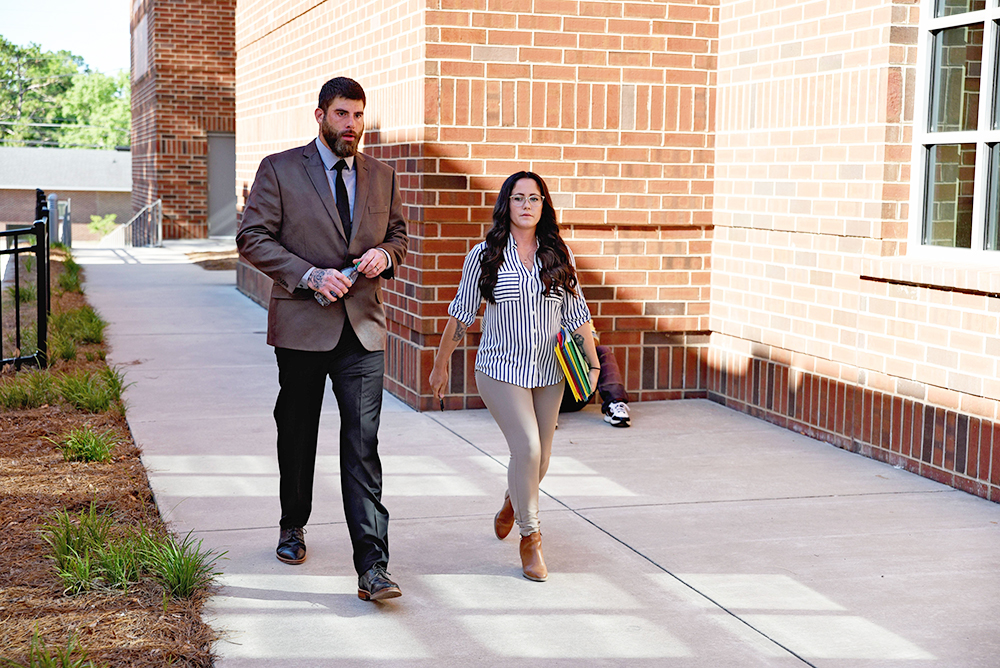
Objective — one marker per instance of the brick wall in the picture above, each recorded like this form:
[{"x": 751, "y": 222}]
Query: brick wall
[
  {"x": 612, "y": 103},
  {"x": 185, "y": 92},
  {"x": 285, "y": 52},
  {"x": 820, "y": 323},
  {"x": 17, "y": 207},
  {"x": 732, "y": 175}
]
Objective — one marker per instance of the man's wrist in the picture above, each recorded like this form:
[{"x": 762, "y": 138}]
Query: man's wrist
[{"x": 304, "y": 282}]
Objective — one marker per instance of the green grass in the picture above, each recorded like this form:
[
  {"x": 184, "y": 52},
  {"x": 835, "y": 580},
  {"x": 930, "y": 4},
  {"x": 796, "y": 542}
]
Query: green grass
[
  {"x": 40, "y": 656},
  {"x": 23, "y": 293},
  {"x": 94, "y": 392},
  {"x": 91, "y": 391},
  {"x": 84, "y": 325},
  {"x": 87, "y": 445},
  {"x": 69, "y": 280},
  {"x": 89, "y": 552},
  {"x": 62, "y": 346},
  {"x": 181, "y": 566},
  {"x": 120, "y": 562},
  {"x": 28, "y": 389},
  {"x": 70, "y": 535}
]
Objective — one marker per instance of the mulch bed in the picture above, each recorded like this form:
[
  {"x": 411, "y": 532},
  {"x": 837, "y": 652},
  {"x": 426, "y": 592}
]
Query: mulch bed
[{"x": 138, "y": 627}]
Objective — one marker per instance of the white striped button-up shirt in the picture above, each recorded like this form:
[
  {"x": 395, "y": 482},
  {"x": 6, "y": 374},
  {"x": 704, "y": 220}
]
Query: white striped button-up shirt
[{"x": 520, "y": 328}]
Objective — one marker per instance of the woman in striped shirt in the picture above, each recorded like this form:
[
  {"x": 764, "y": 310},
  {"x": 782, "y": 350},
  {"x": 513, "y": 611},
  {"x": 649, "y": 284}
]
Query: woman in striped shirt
[{"x": 525, "y": 273}]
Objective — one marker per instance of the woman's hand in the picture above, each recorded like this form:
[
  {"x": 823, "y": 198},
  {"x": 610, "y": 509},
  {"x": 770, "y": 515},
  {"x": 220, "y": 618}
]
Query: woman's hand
[{"x": 439, "y": 379}]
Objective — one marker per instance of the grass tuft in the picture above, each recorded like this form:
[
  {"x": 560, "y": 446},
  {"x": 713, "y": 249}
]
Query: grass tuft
[
  {"x": 86, "y": 445},
  {"x": 23, "y": 293},
  {"x": 82, "y": 324},
  {"x": 94, "y": 392},
  {"x": 87, "y": 554},
  {"x": 181, "y": 566},
  {"x": 71, "y": 535},
  {"x": 29, "y": 389},
  {"x": 40, "y": 656}
]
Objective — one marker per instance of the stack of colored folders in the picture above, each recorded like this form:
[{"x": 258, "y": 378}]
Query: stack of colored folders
[{"x": 574, "y": 365}]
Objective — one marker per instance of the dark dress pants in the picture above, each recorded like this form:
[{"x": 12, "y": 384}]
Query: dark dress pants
[{"x": 356, "y": 375}]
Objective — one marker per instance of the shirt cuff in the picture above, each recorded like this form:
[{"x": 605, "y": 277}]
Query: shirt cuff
[
  {"x": 304, "y": 281},
  {"x": 388, "y": 258}
]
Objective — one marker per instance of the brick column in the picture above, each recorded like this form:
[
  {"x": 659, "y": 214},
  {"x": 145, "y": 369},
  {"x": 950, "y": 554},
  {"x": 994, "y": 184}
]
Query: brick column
[{"x": 183, "y": 87}]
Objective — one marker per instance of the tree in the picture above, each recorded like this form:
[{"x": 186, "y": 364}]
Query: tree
[
  {"x": 33, "y": 83},
  {"x": 99, "y": 105},
  {"x": 53, "y": 99}
]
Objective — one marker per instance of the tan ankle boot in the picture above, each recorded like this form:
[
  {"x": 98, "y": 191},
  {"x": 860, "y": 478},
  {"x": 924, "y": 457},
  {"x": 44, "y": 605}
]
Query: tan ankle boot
[
  {"x": 504, "y": 519},
  {"x": 532, "y": 562}
]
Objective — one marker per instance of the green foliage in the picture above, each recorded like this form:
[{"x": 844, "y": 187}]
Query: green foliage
[
  {"x": 69, "y": 279},
  {"x": 34, "y": 85},
  {"x": 78, "y": 573},
  {"x": 87, "y": 553},
  {"x": 24, "y": 293},
  {"x": 29, "y": 338},
  {"x": 29, "y": 389},
  {"x": 40, "y": 656},
  {"x": 53, "y": 99},
  {"x": 100, "y": 105},
  {"x": 29, "y": 263},
  {"x": 181, "y": 566},
  {"x": 71, "y": 536},
  {"x": 102, "y": 225},
  {"x": 83, "y": 324},
  {"x": 120, "y": 561},
  {"x": 93, "y": 392},
  {"x": 86, "y": 445},
  {"x": 62, "y": 345}
]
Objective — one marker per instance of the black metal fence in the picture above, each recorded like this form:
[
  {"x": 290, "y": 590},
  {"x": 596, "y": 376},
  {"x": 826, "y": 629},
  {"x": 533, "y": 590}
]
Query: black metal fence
[{"x": 19, "y": 244}]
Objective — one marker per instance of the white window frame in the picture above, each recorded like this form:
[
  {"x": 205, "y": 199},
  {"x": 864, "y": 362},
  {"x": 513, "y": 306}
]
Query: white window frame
[{"x": 923, "y": 138}]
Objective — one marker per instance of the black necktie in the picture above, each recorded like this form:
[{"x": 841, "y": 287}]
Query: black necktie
[{"x": 343, "y": 205}]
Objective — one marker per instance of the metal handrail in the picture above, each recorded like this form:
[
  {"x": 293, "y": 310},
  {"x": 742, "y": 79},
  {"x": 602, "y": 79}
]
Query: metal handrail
[
  {"x": 40, "y": 249},
  {"x": 144, "y": 229}
]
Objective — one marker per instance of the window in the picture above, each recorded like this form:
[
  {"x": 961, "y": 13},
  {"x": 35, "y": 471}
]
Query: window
[{"x": 957, "y": 132}]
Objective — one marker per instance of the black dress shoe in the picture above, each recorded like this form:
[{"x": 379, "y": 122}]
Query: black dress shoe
[
  {"x": 292, "y": 546},
  {"x": 376, "y": 586}
]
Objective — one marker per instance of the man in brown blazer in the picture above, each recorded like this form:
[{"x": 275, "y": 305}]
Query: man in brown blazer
[{"x": 314, "y": 213}]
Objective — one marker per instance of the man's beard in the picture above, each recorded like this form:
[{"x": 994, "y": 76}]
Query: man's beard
[{"x": 340, "y": 147}]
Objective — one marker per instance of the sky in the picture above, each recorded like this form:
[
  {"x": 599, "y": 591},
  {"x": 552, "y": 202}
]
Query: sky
[{"x": 97, "y": 30}]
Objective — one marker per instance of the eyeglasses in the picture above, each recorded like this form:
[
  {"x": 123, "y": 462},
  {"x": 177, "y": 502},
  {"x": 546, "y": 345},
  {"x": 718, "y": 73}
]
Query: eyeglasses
[{"x": 533, "y": 200}]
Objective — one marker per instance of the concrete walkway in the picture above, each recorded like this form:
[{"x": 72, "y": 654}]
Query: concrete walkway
[{"x": 698, "y": 537}]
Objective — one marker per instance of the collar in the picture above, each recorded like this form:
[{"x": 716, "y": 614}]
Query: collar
[{"x": 329, "y": 158}]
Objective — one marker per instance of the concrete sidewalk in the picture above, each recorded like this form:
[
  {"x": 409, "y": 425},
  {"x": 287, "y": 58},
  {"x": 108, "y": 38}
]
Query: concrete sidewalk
[{"x": 698, "y": 537}]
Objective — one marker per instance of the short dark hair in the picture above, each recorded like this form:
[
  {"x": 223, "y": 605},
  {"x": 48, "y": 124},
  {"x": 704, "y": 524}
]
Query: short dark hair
[{"x": 340, "y": 87}]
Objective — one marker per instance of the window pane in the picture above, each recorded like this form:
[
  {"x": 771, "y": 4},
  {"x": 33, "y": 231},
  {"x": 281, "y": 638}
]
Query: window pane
[
  {"x": 958, "y": 63},
  {"x": 993, "y": 201},
  {"x": 996, "y": 79},
  {"x": 951, "y": 176},
  {"x": 949, "y": 7}
]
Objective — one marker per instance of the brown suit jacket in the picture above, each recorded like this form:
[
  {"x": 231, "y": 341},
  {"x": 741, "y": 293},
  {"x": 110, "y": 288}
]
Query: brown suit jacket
[{"x": 290, "y": 223}]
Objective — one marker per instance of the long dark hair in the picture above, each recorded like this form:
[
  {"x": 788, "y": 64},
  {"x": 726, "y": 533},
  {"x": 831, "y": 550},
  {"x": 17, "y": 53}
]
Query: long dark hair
[{"x": 557, "y": 270}]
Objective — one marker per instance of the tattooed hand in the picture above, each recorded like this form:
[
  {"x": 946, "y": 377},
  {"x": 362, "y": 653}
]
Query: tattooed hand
[{"x": 328, "y": 283}]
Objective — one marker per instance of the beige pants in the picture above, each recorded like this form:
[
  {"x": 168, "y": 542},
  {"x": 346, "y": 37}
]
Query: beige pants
[{"x": 527, "y": 418}]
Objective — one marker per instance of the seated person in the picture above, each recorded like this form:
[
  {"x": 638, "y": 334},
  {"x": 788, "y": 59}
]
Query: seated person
[{"x": 610, "y": 386}]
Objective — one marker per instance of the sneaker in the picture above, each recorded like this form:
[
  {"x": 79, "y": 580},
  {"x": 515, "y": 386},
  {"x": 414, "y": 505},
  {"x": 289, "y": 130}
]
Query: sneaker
[{"x": 616, "y": 414}]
